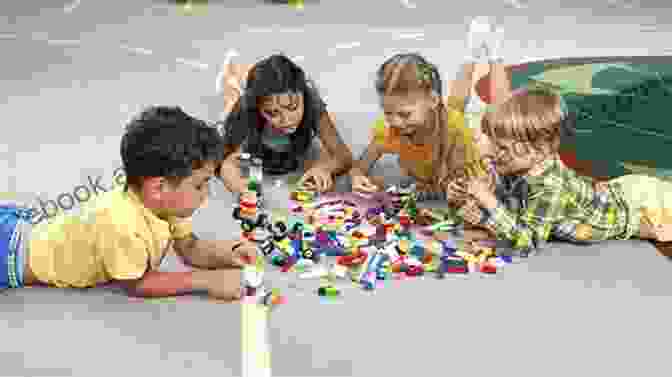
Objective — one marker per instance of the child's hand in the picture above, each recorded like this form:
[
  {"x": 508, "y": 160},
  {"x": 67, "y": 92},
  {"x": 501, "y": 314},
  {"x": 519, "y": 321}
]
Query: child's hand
[
  {"x": 244, "y": 254},
  {"x": 224, "y": 284},
  {"x": 362, "y": 183},
  {"x": 456, "y": 191},
  {"x": 477, "y": 188},
  {"x": 317, "y": 178},
  {"x": 481, "y": 190}
]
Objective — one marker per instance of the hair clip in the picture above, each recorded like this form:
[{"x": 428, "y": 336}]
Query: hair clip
[{"x": 424, "y": 72}]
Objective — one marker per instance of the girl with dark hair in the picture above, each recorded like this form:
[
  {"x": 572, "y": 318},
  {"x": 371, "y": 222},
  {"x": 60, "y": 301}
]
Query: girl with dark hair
[{"x": 276, "y": 116}]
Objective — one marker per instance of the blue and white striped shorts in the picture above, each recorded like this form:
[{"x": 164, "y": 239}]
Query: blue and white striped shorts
[{"x": 14, "y": 227}]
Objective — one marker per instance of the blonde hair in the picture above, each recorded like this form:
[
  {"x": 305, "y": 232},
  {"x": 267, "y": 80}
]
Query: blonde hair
[
  {"x": 456, "y": 155},
  {"x": 534, "y": 117}
]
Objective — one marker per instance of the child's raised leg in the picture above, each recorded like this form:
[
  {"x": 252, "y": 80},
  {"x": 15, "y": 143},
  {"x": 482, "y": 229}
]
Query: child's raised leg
[
  {"x": 230, "y": 83},
  {"x": 500, "y": 82}
]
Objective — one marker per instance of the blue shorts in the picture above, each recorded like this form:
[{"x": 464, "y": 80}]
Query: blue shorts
[{"x": 14, "y": 223}]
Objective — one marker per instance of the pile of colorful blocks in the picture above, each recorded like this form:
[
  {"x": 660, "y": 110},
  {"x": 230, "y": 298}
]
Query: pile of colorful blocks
[{"x": 387, "y": 250}]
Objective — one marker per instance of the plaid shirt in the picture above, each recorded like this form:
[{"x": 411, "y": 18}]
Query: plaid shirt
[{"x": 566, "y": 206}]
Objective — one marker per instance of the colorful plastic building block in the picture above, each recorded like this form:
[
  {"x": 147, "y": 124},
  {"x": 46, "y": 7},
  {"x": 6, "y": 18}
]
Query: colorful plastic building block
[
  {"x": 373, "y": 263},
  {"x": 328, "y": 291}
]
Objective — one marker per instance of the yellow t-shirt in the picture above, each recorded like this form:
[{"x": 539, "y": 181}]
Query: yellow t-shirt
[
  {"x": 422, "y": 155},
  {"x": 114, "y": 237}
]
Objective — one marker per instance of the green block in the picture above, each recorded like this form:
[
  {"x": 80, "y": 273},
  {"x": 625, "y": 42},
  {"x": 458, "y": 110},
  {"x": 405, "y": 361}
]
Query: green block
[{"x": 252, "y": 185}]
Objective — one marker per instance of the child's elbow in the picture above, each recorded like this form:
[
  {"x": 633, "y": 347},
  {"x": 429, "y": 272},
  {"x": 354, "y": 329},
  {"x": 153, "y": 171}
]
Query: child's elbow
[
  {"x": 347, "y": 162},
  {"x": 349, "y": 159},
  {"x": 133, "y": 288}
]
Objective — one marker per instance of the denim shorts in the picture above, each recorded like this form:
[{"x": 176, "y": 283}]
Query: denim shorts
[{"x": 14, "y": 227}]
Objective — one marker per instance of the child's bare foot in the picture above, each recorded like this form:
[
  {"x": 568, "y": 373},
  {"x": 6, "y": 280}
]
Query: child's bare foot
[
  {"x": 664, "y": 248},
  {"x": 664, "y": 232}
]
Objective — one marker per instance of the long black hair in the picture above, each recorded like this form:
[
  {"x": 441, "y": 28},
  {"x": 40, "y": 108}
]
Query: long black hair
[{"x": 274, "y": 75}]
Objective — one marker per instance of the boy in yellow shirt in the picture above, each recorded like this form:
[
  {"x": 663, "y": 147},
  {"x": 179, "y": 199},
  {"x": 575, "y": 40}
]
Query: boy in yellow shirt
[{"x": 169, "y": 158}]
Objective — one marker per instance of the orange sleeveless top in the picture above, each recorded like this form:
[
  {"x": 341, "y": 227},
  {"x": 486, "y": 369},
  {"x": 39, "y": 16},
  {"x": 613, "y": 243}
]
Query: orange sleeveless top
[{"x": 422, "y": 155}]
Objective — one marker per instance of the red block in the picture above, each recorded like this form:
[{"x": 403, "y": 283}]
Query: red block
[
  {"x": 488, "y": 268},
  {"x": 456, "y": 270}
]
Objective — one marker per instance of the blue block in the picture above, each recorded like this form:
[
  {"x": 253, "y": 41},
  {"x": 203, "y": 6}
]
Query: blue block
[
  {"x": 296, "y": 247},
  {"x": 418, "y": 251},
  {"x": 332, "y": 251}
]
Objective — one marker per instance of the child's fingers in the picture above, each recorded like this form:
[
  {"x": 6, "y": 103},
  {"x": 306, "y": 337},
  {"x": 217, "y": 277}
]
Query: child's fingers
[
  {"x": 453, "y": 189},
  {"x": 326, "y": 182},
  {"x": 363, "y": 184},
  {"x": 318, "y": 179},
  {"x": 308, "y": 182},
  {"x": 367, "y": 187}
]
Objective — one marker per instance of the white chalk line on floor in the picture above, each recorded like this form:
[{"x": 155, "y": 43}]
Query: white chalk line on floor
[
  {"x": 64, "y": 42},
  {"x": 137, "y": 50},
  {"x": 516, "y": 4},
  {"x": 193, "y": 63},
  {"x": 417, "y": 36},
  {"x": 256, "y": 348},
  {"x": 275, "y": 30},
  {"x": 343, "y": 46},
  {"x": 43, "y": 37}
]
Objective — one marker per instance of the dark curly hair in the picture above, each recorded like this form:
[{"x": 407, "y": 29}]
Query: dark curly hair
[
  {"x": 274, "y": 75},
  {"x": 166, "y": 142}
]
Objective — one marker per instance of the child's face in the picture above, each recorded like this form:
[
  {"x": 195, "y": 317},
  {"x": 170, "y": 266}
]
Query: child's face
[
  {"x": 408, "y": 114},
  {"x": 189, "y": 195},
  {"x": 283, "y": 111},
  {"x": 513, "y": 157}
]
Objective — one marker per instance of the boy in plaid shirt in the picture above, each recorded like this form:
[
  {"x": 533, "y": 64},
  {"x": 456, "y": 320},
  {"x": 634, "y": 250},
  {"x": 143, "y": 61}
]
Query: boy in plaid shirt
[{"x": 560, "y": 203}]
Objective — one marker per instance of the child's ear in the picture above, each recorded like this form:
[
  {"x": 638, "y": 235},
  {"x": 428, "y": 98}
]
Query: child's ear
[{"x": 152, "y": 189}]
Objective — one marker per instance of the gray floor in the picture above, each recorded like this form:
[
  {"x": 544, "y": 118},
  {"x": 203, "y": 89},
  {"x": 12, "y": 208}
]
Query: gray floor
[{"x": 71, "y": 79}]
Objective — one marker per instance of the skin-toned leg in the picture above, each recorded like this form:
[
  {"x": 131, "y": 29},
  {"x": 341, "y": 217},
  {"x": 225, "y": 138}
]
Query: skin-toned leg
[
  {"x": 499, "y": 83},
  {"x": 462, "y": 86}
]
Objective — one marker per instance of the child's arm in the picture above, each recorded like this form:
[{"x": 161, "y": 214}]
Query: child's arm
[
  {"x": 214, "y": 258},
  {"x": 462, "y": 86},
  {"x": 214, "y": 253},
  {"x": 371, "y": 154},
  {"x": 500, "y": 83},
  {"x": 160, "y": 284},
  {"x": 544, "y": 210},
  {"x": 223, "y": 284},
  {"x": 335, "y": 157}
]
